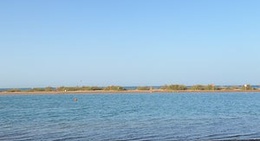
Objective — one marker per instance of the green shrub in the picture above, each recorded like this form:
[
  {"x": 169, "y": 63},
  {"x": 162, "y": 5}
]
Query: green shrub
[
  {"x": 247, "y": 87},
  {"x": 114, "y": 88},
  {"x": 90, "y": 88},
  {"x": 143, "y": 88},
  {"x": 198, "y": 87},
  {"x": 49, "y": 89},
  {"x": 174, "y": 87},
  {"x": 14, "y": 90}
]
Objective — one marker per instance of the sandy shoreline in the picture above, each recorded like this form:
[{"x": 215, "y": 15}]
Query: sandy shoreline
[{"x": 127, "y": 91}]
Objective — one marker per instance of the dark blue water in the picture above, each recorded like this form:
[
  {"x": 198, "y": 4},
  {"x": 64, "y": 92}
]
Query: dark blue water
[{"x": 182, "y": 116}]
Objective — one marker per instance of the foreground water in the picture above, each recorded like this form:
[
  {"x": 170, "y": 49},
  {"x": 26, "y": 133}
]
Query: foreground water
[{"x": 183, "y": 116}]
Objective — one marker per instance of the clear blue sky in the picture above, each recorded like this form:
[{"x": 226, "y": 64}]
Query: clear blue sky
[{"x": 129, "y": 42}]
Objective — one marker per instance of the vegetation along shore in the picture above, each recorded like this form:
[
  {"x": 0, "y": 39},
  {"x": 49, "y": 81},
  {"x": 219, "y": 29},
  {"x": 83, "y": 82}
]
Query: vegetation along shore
[{"x": 138, "y": 89}]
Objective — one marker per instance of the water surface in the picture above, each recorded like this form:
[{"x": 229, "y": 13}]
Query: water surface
[{"x": 161, "y": 116}]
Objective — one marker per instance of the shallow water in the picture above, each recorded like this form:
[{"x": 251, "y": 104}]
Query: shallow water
[{"x": 181, "y": 116}]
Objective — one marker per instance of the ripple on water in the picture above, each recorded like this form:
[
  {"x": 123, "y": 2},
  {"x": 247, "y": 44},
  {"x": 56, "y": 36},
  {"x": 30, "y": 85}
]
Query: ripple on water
[{"x": 130, "y": 117}]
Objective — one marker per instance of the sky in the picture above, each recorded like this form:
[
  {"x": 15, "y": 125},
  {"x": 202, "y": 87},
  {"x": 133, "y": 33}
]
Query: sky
[{"x": 129, "y": 42}]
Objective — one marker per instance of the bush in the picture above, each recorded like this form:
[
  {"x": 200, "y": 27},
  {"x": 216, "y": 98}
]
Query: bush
[
  {"x": 14, "y": 90},
  {"x": 114, "y": 88},
  {"x": 174, "y": 87},
  {"x": 143, "y": 88},
  {"x": 67, "y": 88},
  {"x": 87, "y": 88},
  {"x": 210, "y": 87},
  {"x": 49, "y": 89},
  {"x": 198, "y": 87},
  {"x": 38, "y": 89},
  {"x": 247, "y": 87}
]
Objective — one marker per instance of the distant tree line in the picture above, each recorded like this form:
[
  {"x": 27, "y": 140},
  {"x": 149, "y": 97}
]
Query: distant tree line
[
  {"x": 172, "y": 87},
  {"x": 209, "y": 87}
]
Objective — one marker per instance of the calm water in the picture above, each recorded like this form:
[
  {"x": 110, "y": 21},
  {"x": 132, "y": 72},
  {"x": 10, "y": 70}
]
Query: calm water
[{"x": 181, "y": 116}]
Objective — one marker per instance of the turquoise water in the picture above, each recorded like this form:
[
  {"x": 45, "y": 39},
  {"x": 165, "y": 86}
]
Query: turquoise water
[{"x": 181, "y": 116}]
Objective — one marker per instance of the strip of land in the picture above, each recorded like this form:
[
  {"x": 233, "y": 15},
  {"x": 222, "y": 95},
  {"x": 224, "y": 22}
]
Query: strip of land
[
  {"x": 127, "y": 91},
  {"x": 142, "y": 89}
]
